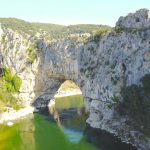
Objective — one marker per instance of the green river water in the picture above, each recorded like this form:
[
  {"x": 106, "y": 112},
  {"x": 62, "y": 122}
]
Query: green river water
[{"x": 57, "y": 128}]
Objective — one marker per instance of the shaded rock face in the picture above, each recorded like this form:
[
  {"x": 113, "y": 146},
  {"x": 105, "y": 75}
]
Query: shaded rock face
[
  {"x": 105, "y": 140},
  {"x": 100, "y": 68},
  {"x": 1, "y": 72}
]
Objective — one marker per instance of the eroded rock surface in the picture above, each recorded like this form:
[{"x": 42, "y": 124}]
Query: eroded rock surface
[{"x": 138, "y": 20}]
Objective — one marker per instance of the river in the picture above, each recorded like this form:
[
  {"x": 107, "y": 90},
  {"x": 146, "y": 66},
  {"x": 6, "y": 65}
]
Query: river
[{"x": 61, "y": 127}]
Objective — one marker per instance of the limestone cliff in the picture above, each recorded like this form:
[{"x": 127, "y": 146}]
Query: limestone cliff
[{"x": 100, "y": 66}]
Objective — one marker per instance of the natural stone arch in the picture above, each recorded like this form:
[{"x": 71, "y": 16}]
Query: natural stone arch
[
  {"x": 42, "y": 100},
  {"x": 55, "y": 67}
]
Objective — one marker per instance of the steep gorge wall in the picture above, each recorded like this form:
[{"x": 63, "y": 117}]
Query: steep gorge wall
[
  {"x": 100, "y": 67},
  {"x": 13, "y": 54}
]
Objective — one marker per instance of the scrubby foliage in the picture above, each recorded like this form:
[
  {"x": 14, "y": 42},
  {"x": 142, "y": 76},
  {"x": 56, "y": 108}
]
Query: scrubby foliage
[
  {"x": 49, "y": 30},
  {"x": 115, "y": 99},
  {"x": 31, "y": 55},
  {"x": 18, "y": 25},
  {"x": 118, "y": 30},
  {"x": 100, "y": 33},
  {"x": 136, "y": 104},
  {"x": 9, "y": 84}
]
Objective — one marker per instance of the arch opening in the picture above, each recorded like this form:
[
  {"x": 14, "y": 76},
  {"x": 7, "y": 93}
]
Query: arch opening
[
  {"x": 67, "y": 107},
  {"x": 67, "y": 96},
  {"x": 68, "y": 88}
]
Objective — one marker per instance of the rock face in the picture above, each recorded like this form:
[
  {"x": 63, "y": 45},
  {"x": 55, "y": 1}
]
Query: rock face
[
  {"x": 139, "y": 20},
  {"x": 100, "y": 68},
  {"x": 13, "y": 54}
]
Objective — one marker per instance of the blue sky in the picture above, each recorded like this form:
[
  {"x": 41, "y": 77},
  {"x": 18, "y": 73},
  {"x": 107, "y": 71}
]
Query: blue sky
[{"x": 71, "y": 11}]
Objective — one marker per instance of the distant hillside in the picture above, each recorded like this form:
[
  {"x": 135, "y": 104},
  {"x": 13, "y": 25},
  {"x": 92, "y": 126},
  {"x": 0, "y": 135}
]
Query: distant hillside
[
  {"x": 53, "y": 30},
  {"x": 18, "y": 25}
]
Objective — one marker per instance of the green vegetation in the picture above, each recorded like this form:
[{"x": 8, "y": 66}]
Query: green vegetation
[
  {"x": 118, "y": 30},
  {"x": 85, "y": 28},
  {"x": 9, "y": 84},
  {"x": 59, "y": 31},
  {"x": 49, "y": 31},
  {"x": 18, "y": 25},
  {"x": 136, "y": 104},
  {"x": 52, "y": 32},
  {"x": 31, "y": 55},
  {"x": 33, "y": 51},
  {"x": 75, "y": 101},
  {"x": 135, "y": 30},
  {"x": 39, "y": 133},
  {"x": 7, "y": 100},
  {"x": 100, "y": 33},
  {"x": 110, "y": 105},
  {"x": 115, "y": 99}
]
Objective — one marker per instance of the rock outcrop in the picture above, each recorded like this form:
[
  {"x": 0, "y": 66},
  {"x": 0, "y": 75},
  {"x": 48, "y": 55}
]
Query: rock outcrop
[
  {"x": 100, "y": 67},
  {"x": 138, "y": 20}
]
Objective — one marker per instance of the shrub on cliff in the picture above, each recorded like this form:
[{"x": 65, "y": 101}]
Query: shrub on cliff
[
  {"x": 100, "y": 33},
  {"x": 31, "y": 55},
  {"x": 118, "y": 30},
  {"x": 11, "y": 82}
]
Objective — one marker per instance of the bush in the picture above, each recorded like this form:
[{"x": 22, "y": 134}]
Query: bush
[
  {"x": 100, "y": 33},
  {"x": 118, "y": 29},
  {"x": 16, "y": 82},
  {"x": 115, "y": 99},
  {"x": 11, "y": 82},
  {"x": 31, "y": 55}
]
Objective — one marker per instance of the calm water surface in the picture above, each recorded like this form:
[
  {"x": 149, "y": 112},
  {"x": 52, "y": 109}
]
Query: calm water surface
[{"x": 58, "y": 128}]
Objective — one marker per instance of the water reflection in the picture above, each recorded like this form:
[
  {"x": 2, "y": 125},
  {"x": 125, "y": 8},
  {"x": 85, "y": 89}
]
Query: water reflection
[
  {"x": 39, "y": 132},
  {"x": 26, "y": 130},
  {"x": 49, "y": 135},
  {"x": 19, "y": 136},
  {"x": 105, "y": 140},
  {"x": 70, "y": 115}
]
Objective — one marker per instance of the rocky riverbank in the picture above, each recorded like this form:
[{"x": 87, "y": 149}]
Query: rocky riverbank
[{"x": 14, "y": 115}]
